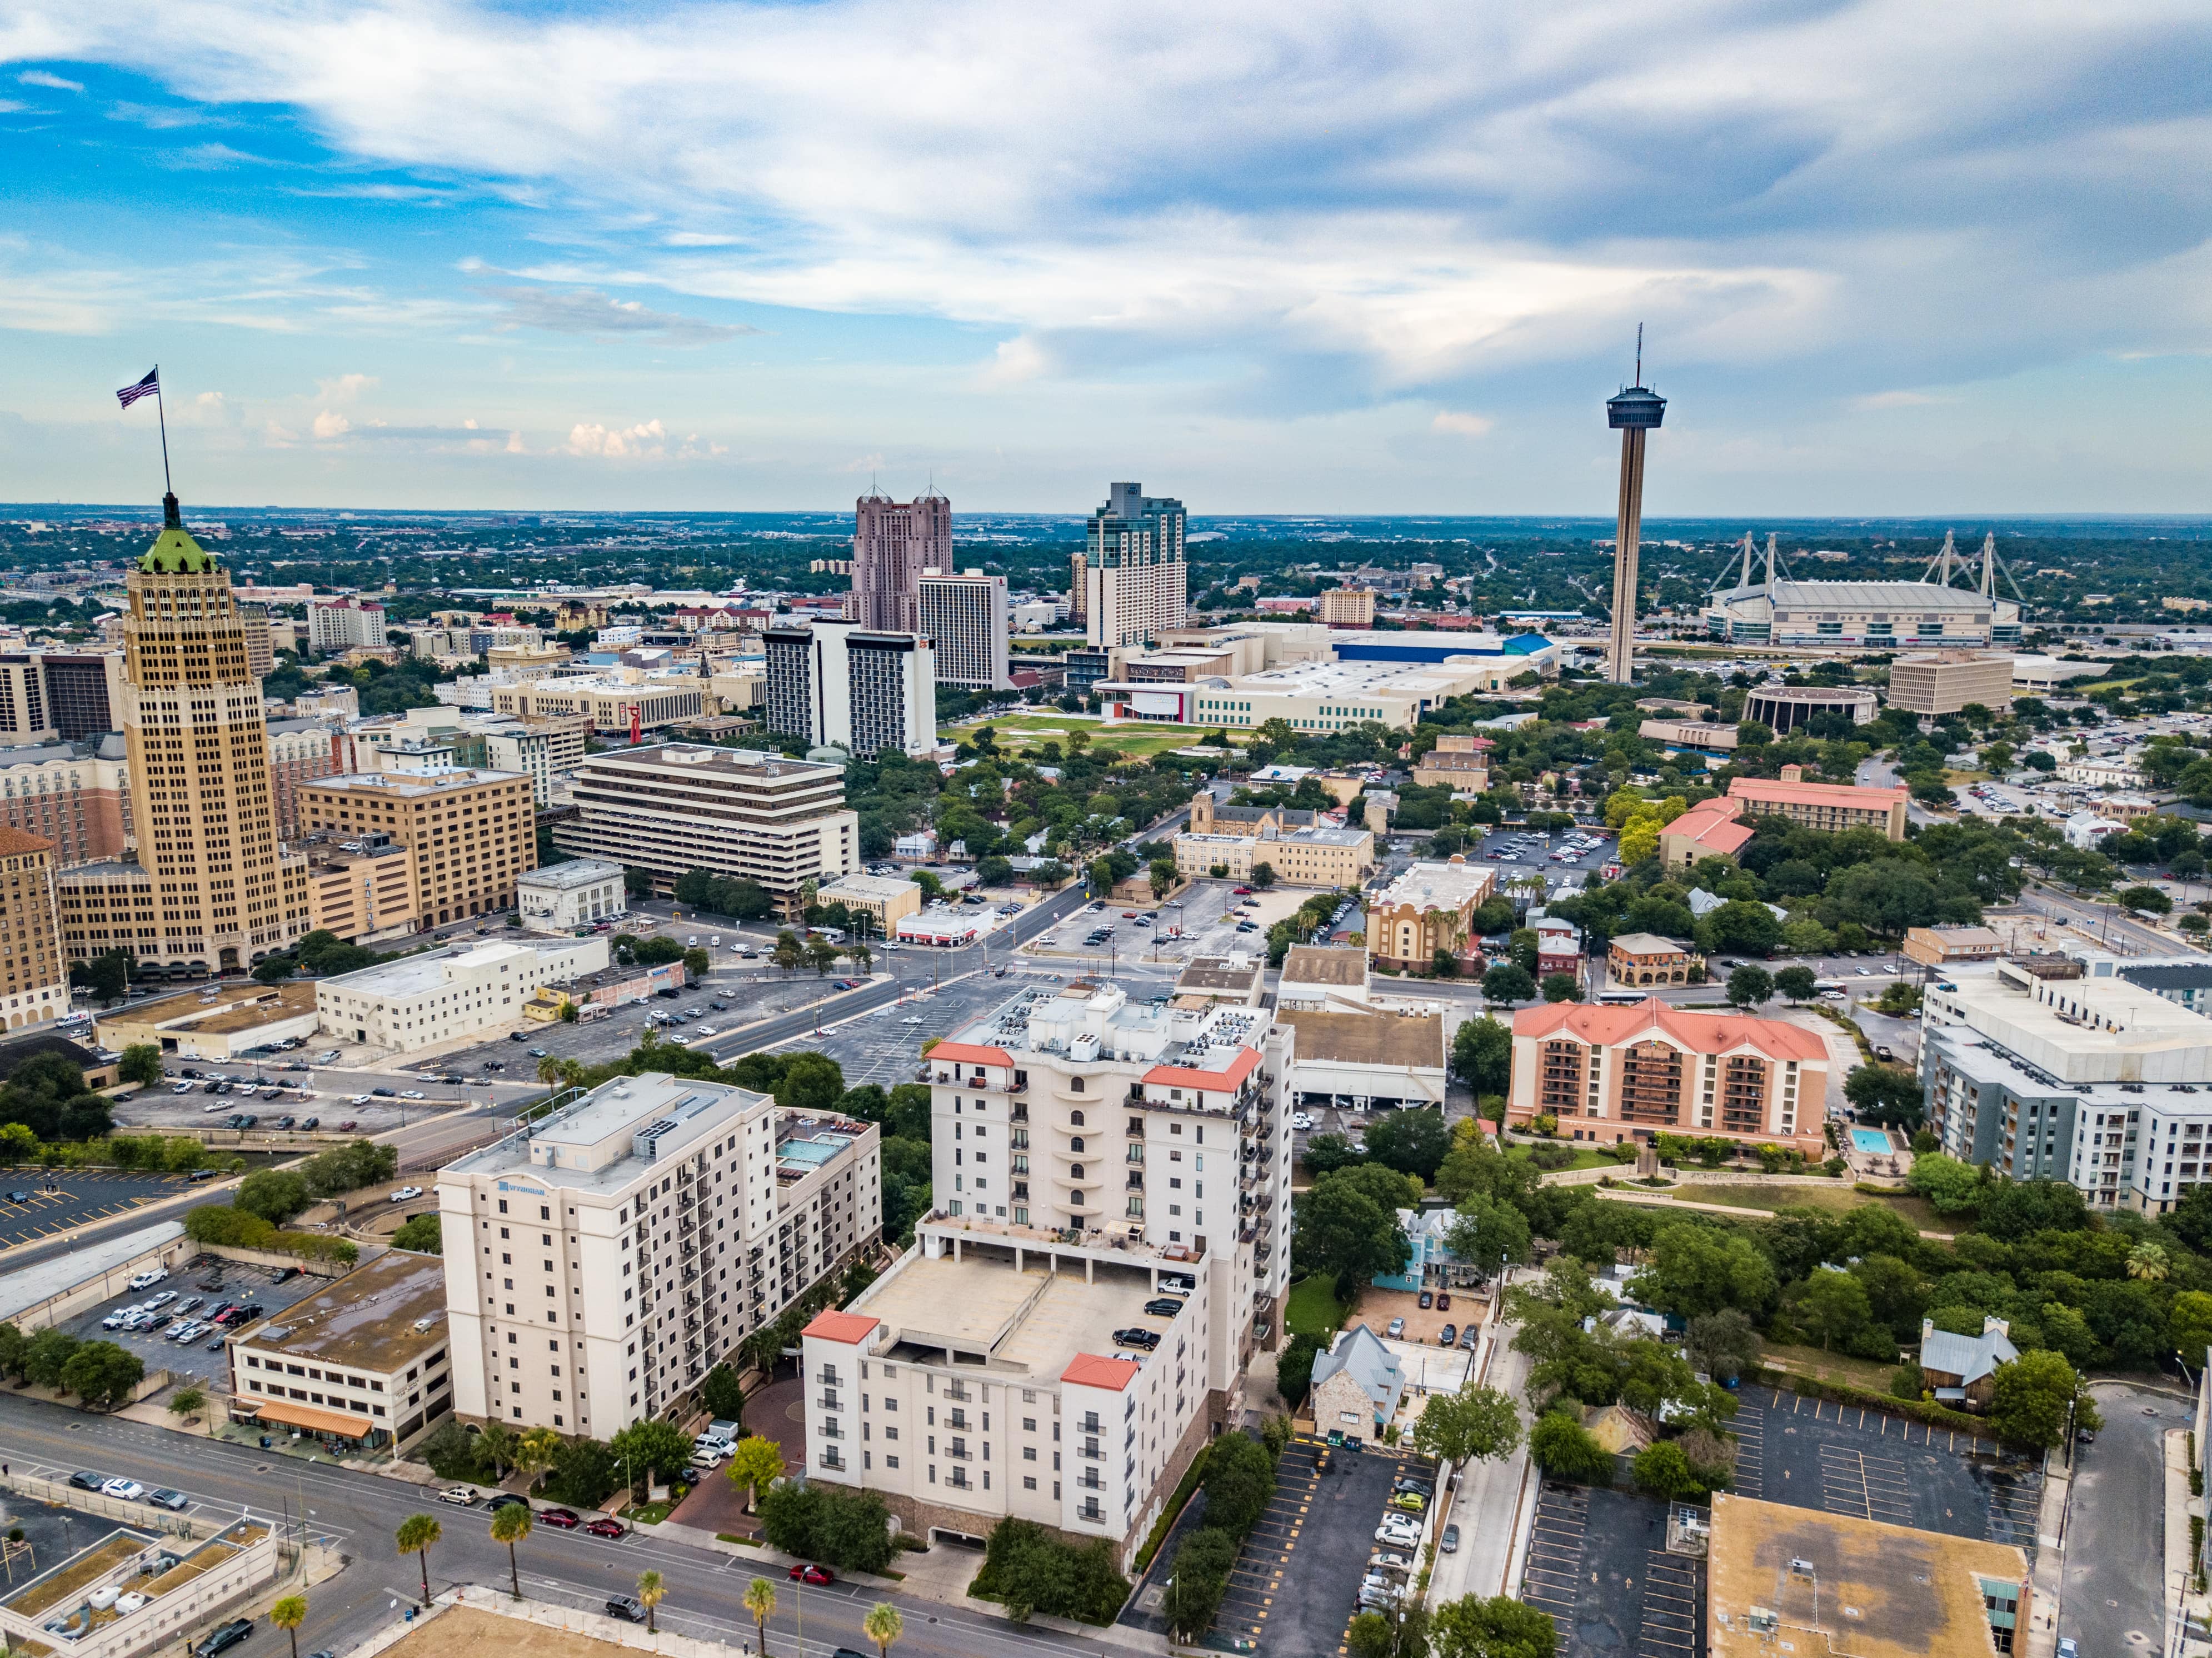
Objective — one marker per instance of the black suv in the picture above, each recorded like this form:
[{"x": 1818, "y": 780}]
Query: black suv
[
  {"x": 223, "y": 1638},
  {"x": 622, "y": 1606},
  {"x": 505, "y": 1500},
  {"x": 1133, "y": 1336},
  {"x": 1166, "y": 1307}
]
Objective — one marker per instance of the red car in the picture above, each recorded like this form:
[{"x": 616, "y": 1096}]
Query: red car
[
  {"x": 1241, "y": 891},
  {"x": 349, "y": 1126},
  {"x": 1129, "y": 914},
  {"x": 821, "y": 1576},
  {"x": 565, "y": 1519},
  {"x": 606, "y": 1529}
]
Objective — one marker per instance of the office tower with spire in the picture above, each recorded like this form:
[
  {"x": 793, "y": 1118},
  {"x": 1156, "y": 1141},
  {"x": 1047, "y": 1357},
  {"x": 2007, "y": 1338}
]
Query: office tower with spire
[
  {"x": 210, "y": 890},
  {"x": 893, "y": 542},
  {"x": 1634, "y": 411},
  {"x": 1137, "y": 586}
]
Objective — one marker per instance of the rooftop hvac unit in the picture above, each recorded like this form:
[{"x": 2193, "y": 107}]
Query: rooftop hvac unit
[
  {"x": 647, "y": 1142},
  {"x": 1801, "y": 1567},
  {"x": 1762, "y": 1621}
]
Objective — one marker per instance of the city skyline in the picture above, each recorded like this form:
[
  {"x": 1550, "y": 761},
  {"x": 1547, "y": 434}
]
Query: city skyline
[{"x": 747, "y": 257}]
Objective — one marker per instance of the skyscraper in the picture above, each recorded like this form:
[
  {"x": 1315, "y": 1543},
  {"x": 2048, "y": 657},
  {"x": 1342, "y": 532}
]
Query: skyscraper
[
  {"x": 1137, "y": 586},
  {"x": 211, "y": 890},
  {"x": 1633, "y": 412},
  {"x": 965, "y": 617},
  {"x": 893, "y": 542},
  {"x": 863, "y": 689}
]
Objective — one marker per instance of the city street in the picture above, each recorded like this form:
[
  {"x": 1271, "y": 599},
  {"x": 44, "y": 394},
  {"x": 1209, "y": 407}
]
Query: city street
[{"x": 2110, "y": 1599}]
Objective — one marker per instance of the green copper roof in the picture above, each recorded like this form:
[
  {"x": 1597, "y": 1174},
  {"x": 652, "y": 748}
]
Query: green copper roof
[{"x": 175, "y": 553}]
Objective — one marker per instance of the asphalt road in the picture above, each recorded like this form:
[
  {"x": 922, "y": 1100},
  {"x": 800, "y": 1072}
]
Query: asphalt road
[
  {"x": 2110, "y": 1599},
  {"x": 361, "y": 1512}
]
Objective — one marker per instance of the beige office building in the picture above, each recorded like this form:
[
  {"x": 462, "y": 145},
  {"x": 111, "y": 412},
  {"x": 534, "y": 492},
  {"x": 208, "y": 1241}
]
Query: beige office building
[
  {"x": 1298, "y": 858},
  {"x": 1943, "y": 682},
  {"x": 598, "y": 1266},
  {"x": 34, "y": 979},
  {"x": 1429, "y": 907},
  {"x": 224, "y": 895},
  {"x": 370, "y": 1347},
  {"x": 1347, "y": 607},
  {"x": 469, "y": 835},
  {"x": 886, "y": 900},
  {"x": 740, "y": 812}
]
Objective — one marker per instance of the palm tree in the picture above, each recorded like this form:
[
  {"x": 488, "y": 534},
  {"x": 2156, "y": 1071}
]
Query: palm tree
[
  {"x": 510, "y": 1526},
  {"x": 418, "y": 1531},
  {"x": 882, "y": 1625},
  {"x": 497, "y": 1444},
  {"x": 760, "y": 1600},
  {"x": 2148, "y": 1262},
  {"x": 651, "y": 1587},
  {"x": 288, "y": 1615},
  {"x": 536, "y": 1451}
]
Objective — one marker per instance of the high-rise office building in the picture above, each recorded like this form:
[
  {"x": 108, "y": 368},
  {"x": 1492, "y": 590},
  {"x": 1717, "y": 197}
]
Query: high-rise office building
[
  {"x": 893, "y": 542},
  {"x": 469, "y": 835},
  {"x": 340, "y": 624},
  {"x": 25, "y": 717},
  {"x": 600, "y": 1262},
  {"x": 84, "y": 692},
  {"x": 964, "y": 616},
  {"x": 1136, "y": 584},
  {"x": 863, "y": 690},
  {"x": 260, "y": 648},
  {"x": 33, "y": 982},
  {"x": 211, "y": 892}
]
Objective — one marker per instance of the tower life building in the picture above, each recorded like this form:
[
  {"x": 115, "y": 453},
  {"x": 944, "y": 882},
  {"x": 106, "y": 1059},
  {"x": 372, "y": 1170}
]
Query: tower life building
[
  {"x": 1633, "y": 412},
  {"x": 893, "y": 542},
  {"x": 1136, "y": 584},
  {"x": 211, "y": 889},
  {"x": 965, "y": 617}
]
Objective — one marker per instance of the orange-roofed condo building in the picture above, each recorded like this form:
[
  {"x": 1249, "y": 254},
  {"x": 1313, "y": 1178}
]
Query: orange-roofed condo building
[
  {"x": 1103, "y": 1168},
  {"x": 1632, "y": 1074},
  {"x": 1830, "y": 806}
]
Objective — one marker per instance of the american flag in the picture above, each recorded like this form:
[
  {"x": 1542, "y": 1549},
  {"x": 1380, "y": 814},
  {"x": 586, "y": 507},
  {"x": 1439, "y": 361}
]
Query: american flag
[{"x": 145, "y": 388}]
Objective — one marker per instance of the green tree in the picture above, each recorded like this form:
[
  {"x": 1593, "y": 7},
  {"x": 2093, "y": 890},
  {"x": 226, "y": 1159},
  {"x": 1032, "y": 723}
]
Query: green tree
[
  {"x": 822, "y": 955},
  {"x": 1950, "y": 1185},
  {"x": 187, "y": 1403},
  {"x": 697, "y": 961},
  {"x": 1499, "y": 1627},
  {"x": 1507, "y": 983},
  {"x": 421, "y": 1234},
  {"x": 1721, "y": 1344},
  {"x": 101, "y": 1373},
  {"x": 1886, "y": 1096},
  {"x": 1342, "y": 1232},
  {"x": 498, "y": 1445},
  {"x": 141, "y": 1063},
  {"x": 1411, "y": 1142},
  {"x": 652, "y": 1447},
  {"x": 2030, "y": 1398},
  {"x": 760, "y": 1601},
  {"x": 1476, "y": 1424},
  {"x": 1664, "y": 1470},
  {"x": 651, "y": 1589},
  {"x": 1750, "y": 986},
  {"x": 288, "y": 1614},
  {"x": 1161, "y": 871},
  {"x": 417, "y": 1534},
  {"x": 1563, "y": 1449},
  {"x": 882, "y": 1625},
  {"x": 1487, "y": 1231},
  {"x": 1694, "y": 1269},
  {"x": 47, "y": 1357},
  {"x": 812, "y": 1082},
  {"x": 755, "y": 1465},
  {"x": 274, "y": 1195},
  {"x": 1796, "y": 984},
  {"x": 1561, "y": 988},
  {"x": 1830, "y": 1307},
  {"x": 721, "y": 1395},
  {"x": 1263, "y": 876},
  {"x": 1482, "y": 1054},
  {"x": 510, "y": 1525},
  {"x": 1294, "y": 1367}
]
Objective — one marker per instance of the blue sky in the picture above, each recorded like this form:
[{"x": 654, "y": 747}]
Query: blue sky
[{"x": 1892, "y": 259}]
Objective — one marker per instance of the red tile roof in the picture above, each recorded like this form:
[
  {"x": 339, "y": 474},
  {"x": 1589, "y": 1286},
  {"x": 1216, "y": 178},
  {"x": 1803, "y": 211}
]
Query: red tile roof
[
  {"x": 1090, "y": 1370},
  {"x": 1699, "y": 1033},
  {"x": 1211, "y": 1081},
  {"x": 968, "y": 1053},
  {"x": 1711, "y": 824},
  {"x": 852, "y": 1328},
  {"x": 1816, "y": 794}
]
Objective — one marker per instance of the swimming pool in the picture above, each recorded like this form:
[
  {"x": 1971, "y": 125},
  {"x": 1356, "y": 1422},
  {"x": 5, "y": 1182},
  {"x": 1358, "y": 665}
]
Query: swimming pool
[{"x": 1872, "y": 1141}]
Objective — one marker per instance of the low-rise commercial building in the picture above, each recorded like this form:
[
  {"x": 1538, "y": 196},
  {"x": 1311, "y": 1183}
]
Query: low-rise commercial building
[
  {"x": 2102, "y": 771},
  {"x": 563, "y": 897},
  {"x": 601, "y": 1261},
  {"x": 219, "y": 1023},
  {"x": 424, "y": 1001},
  {"x": 363, "y": 1360},
  {"x": 1366, "y": 1061},
  {"x": 1428, "y": 908},
  {"x": 1612, "y": 1073},
  {"x": 1637, "y": 959},
  {"x": 1462, "y": 771},
  {"x": 1206, "y": 981},
  {"x": 745, "y": 813},
  {"x": 1822, "y": 709},
  {"x": 1319, "y": 976},
  {"x": 885, "y": 900},
  {"x": 1934, "y": 683},
  {"x": 632, "y": 700},
  {"x": 137, "y": 1590},
  {"x": 1714, "y": 741},
  {"x": 1941, "y": 946},
  {"x": 1300, "y": 857},
  {"x": 595, "y": 995},
  {"x": 359, "y": 886},
  {"x": 1830, "y": 806}
]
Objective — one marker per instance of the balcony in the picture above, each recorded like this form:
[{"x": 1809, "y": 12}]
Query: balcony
[
  {"x": 1020, "y": 1113},
  {"x": 831, "y": 1430},
  {"x": 1135, "y": 1183},
  {"x": 827, "y": 1401},
  {"x": 1091, "y": 1481},
  {"x": 832, "y": 1458}
]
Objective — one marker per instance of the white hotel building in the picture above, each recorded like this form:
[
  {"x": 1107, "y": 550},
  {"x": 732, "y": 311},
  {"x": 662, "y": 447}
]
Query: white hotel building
[
  {"x": 601, "y": 1261},
  {"x": 1090, "y": 1154}
]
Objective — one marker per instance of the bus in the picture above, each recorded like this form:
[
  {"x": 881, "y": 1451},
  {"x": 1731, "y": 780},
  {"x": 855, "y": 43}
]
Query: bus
[{"x": 1621, "y": 998}]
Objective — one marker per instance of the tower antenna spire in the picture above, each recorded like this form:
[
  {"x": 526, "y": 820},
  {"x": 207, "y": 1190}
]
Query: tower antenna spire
[{"x": 1639, "y": 354}]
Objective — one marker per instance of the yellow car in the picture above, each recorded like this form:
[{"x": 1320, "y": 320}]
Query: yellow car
[{"x": 1411, "y": 1502}]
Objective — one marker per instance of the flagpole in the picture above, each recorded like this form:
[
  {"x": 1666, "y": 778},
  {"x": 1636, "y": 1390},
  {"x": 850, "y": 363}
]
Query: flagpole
[{"x": 162, "y": 414}]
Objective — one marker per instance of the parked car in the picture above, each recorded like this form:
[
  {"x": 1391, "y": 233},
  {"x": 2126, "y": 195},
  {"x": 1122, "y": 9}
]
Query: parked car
[
  {"x": 413, "y": 1094},
  {"x": 460, "y": 1497},
  {"x": 1166, "y": 1307},
  {"x": 405, "y": 1195},
  {"x": 382, "y": 1094},
  {"x": 605, "y": 1529},
  {"x": 820, "y": 1576},
  {"x": 1410, "y": 1502},
  {"x": 85, "y": 1481},
  {"x": 626, "y": 1608},
  {"x": 223, "y": 1638},
  {"x": 1443, "y": 1301},
  {"x": 1134, "y": 1337},
  {"x": 349, "y": 1125},
  {"x": 166, "y": 1498},
  {"x": 540, "y": 1052},
  {"x": 1447, "y": 1335},
  {"x": 146, "y": 1279},
  {"x": 1449, "y": 1543},
  {"x": 560, "y": 1519},
  {"x": 1397, "y": 1328},
  {"x": 311, "y": 1124},
  {"x": 123, "y": 1490},
  {"x": 506, "y": 1500},
  {"x": 1470, "y": 1338}
]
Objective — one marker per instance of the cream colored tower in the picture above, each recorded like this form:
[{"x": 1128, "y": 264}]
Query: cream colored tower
[{"x": 224, "y": 893}]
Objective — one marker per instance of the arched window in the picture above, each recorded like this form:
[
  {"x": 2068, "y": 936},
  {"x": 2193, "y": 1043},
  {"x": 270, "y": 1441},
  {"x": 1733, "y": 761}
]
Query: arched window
[
  {"x": 1076, "y": 1144},
  {"x": 1075, "y": 1171},
  {"x": 1075, "y": 1086},
  {"x": 1076, "y": 1117}
]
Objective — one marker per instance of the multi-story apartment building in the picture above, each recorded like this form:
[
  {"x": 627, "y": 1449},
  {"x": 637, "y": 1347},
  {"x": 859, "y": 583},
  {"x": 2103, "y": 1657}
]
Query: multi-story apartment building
[
  {"x": 862, "y": 691},
  {"x": 965, "y": 617},
  {"x": 33, "y": 978},
  {"x": 1347, "y": 607},
  {"x": 336, "y": 625},
  {"x": 1072, "y": 1135},
  {"x": 299, "y": 751},
  {"x": 25, "y": 717},
  {"x": 599, "y": 1262},
  {"x": 893, "y": 542},
  {"x": 1830, "y": 806},
  {"x": 1429, "y": 907},
  {"x": 1609, "y": 1074},
  {"x": 469, "y": 835},
  {"x": 225, "y": 894},
  {"x": 2045, "y": 1071},
  {"x": 1136, "y": 585},
  {"x": 739, "y": 812},
  {"x": 77, "y": 795}
]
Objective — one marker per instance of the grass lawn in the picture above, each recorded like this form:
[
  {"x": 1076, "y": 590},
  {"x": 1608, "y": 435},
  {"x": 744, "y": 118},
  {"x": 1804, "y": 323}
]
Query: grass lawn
[
  {"x": 1836, "y": 1197},
  {"x": 1586, "y": 1156},
  {"x": 1829, "y": 1367},
  {"x": 1312, "y": 1308},
  {"x": 1138, "y": 741}
]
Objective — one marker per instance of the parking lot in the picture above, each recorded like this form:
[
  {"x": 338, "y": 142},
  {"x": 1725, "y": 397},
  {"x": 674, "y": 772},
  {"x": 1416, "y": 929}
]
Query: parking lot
[
  {"x": 59, "y": 1199},
  {"x": 1598, "y": 1564},
  {"x": 1515, "y": 851},
  {"x": 1296, "y": 1583},
  {"x": 1874, "y": 1466},
  {"x": 203, "y": 1358},
  {"x": 1207, "y": 911}
]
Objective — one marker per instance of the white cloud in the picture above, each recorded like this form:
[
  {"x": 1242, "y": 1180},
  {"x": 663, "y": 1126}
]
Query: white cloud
[
  {"x": 648, "y": 438},
  {"x": 38, "y": 77},
  {"x": 1876, "y": 400},
  {"x": 587, "y": 310},
  {"x": 344, "y": 388},
  {"x": 329, "y": 424},
  {"x": 1462, "y": 424}
]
